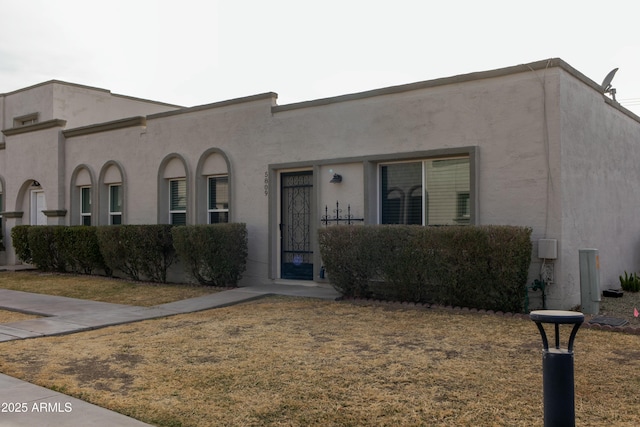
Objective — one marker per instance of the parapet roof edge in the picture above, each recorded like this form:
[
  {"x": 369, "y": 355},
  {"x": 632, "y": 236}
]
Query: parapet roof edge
[
  {"x": 105, "y": 126},
  {"x": 49, "y": 82},
  {"x": 94, "y": 88},
  {"x": 47, "y": 124},
  {"x": 461, "y": 78},
  {"x": 251, "y": 98}
]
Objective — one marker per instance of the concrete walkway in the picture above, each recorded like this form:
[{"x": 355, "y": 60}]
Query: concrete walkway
[{"x": 25, "y": 404}]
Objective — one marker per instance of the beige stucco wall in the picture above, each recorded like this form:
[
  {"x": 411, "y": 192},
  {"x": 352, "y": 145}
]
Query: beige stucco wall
[
  {"x": 348, "y": 193},
  {"x": 81, "y": 105},
  {"x": 599, "y": 184},
  {"x": 526, "y": 130},
  {"x": 37, "y": 99},
  {"x": 501, "y": 116},
  {"x": 41, "y": 158},
  {"x": 40, "y": 155},
  {"x": 78, "y": 105}
]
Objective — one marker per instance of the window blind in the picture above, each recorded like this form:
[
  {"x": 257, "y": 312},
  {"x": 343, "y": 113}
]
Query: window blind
[
  {"x": 219, "y": 192},
  {"x": 178, "y": 195},
  {"x": 178, "y": 202}
]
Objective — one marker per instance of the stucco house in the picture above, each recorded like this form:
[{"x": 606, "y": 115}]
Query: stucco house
[{"x": 535, "y": 144}]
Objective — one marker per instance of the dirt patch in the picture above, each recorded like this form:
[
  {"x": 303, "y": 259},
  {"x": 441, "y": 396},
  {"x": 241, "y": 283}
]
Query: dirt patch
[
  {"x": 624, "y": 356},
  {"x": 100, "y": 374}
]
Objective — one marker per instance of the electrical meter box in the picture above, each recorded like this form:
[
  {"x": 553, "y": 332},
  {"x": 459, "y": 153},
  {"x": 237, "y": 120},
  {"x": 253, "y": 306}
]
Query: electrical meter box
[{"x": 548, "y": 248}]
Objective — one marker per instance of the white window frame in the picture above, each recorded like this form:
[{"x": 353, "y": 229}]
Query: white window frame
[
  {"x": 216, "y": 210},
  {"x": 84, "y": 215},
  {"x": 172, "y": 212},
  {"x": 113, "y": 214}
]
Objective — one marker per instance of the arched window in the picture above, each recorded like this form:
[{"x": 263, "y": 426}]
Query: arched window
[
  {"x": 82, "y": 193},
  {"x": 112, "y": 194},
  {"x": 173, "y": 191},
  {"x": 213, "y": 192}
]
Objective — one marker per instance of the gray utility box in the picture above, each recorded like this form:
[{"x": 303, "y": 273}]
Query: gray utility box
[{"x": 589, "y": 281}]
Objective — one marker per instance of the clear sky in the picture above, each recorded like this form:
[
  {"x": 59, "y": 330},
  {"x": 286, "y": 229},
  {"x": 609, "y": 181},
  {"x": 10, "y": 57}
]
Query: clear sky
[{"x": 193, "y": 52}]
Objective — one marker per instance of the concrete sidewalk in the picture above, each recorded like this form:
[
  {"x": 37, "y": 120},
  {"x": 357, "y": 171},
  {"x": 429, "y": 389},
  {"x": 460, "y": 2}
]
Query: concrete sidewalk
[{"x": 25, "y": 404}]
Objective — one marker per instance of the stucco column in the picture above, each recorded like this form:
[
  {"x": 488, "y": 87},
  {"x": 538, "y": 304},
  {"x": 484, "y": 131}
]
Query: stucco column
[{"x": 11, "y": 219}]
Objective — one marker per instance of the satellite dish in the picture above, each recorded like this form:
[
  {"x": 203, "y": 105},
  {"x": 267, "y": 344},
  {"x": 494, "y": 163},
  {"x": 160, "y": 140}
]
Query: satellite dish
[{"x": 606, "y": 84}]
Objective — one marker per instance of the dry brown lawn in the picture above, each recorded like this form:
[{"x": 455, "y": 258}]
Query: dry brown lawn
[
  {"x": 7, "y": 316},
  {"x": 297, "y": 362},
  {"x": 97, "y": 288}
]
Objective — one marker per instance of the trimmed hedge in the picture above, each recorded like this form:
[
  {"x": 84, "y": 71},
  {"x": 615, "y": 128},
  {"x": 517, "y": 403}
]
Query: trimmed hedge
[
  {"x": 214, "y": 255},
  {"x": 81, "y": 250},
  {"x": 58, "y": 248},
  {"x": 20, "y": 242},
  {"x": 47, "y": 247},
  {"x": 483, "y": 267},
  {"x": 139, "y": 251}
]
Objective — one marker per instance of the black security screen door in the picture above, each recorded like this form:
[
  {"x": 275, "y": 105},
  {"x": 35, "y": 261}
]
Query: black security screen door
[{"x": 295, "y": 229}]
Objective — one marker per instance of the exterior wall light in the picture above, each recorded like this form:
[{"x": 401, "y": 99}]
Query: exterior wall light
[{"x": 336, "y": 178}]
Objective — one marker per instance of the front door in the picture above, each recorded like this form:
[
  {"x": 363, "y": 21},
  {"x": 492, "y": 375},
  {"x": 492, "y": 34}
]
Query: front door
[
  {"x": 296, "y": 256},
  {"x": 38, "y": 205}
]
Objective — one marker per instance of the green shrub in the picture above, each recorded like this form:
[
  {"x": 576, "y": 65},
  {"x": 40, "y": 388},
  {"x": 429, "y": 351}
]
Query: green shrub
[
  {"x": 350, "y": 258},
  {"x": 20, "y": 242},
  {"x": 214, "y": 255},
  {"x": 482, "y": 267},
  {"x": 46, "y": 244},
  {"x": 81, "y": 250},
  {"x": 417, "y": 267},
  {"x": 139, "y": 251},
  {"x": 57, "y": 247},
  {"x": 630, "y": 282}
]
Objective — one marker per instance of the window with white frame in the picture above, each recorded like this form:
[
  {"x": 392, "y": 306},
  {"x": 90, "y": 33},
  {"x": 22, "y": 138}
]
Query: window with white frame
[
  {"x": 426, "y": 192},
  {"x": 85, "y": 205},
  {"x": 115, "y": 204},
  {"x": 218, "y": 199},
  {"x": 178, "y": 201}
]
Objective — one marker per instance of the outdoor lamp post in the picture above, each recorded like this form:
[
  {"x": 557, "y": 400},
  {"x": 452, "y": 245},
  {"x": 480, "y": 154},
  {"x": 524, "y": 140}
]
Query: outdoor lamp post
[{"x": 557, "y": 368}]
